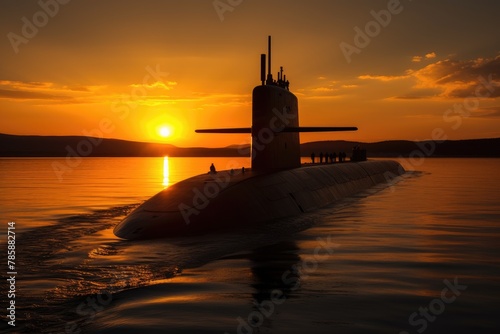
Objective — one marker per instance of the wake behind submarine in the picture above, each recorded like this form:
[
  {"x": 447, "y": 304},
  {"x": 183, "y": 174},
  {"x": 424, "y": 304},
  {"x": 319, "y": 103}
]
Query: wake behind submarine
[{"x": 275, "y": 187}]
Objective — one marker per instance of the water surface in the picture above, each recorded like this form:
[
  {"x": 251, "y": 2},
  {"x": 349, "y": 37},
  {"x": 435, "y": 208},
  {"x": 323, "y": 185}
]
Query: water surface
[{"x": 377, "y": 262}]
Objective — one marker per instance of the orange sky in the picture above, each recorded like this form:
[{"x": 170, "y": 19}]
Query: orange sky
[{"x": 124, "y": 69}]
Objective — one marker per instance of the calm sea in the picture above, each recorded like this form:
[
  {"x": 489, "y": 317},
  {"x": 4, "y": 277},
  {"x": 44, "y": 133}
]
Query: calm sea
[{"x": 420, "y": 256}]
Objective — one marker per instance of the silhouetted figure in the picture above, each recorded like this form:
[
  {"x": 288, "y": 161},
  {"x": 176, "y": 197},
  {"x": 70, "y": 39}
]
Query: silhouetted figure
[
  {"x": 326, "y": 158},
  {"x": 331, "y": 158},
  {"x": 312, "y": 157},
  {"x": 212, "y": 168},
  {"x": 321, "y": 157},
  {"x": 358, "y": 154},
  {"x": 334, "y": 157},
  {"x": 243, "y": 170}
]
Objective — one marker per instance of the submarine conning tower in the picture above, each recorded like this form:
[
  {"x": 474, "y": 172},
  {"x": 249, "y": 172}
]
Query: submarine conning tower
[
  {"x": 274, "y": 109},
  {"x": 275, "y": 123}
]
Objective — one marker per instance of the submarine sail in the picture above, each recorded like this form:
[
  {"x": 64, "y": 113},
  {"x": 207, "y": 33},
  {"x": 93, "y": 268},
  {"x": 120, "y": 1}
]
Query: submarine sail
[{"x": 275, "y": 122}]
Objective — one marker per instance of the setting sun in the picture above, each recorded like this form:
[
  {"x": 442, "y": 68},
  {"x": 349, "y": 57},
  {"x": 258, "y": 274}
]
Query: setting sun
[{"x": 165, "y": 131}]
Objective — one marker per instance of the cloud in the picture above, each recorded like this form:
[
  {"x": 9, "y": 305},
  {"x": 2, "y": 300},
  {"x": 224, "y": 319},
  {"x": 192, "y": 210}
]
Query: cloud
[
  {"x": 157, "y": 84},
  {"x": 418, "y": 59},
  {"x": 47, "y": 92},
  {"x": 26, "y": 84},
  {"x": 52, "y": 93},
  {"x": 221, "y": 99},
  {"x": 333, "y": 89},
  {"x": 454, "y": 78},
  {"x": 330, "y": 90},
  {"x": 81, "y": 88},
  {"x": 407, "y": 97},
  {"x": 30, "y": 95},
  {"x": 321, "y": 97},
  {"x": 324, "y": 89},
  {"x": 490, "y": 112},
  {"x": 383, "y": 77},
  {"x": 450, "y": 78}
]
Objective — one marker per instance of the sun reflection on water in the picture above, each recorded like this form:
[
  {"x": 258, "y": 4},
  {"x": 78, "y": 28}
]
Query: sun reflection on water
[{"x": 166, "y": 179}]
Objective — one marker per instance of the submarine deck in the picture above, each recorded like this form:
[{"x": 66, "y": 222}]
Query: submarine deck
[
  {"x": 209, "y": 185},
  {"x": 209, "y": 201}
]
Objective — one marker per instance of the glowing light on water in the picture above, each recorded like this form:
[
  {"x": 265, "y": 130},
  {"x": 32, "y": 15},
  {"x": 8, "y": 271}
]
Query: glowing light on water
[{"x": 166, "y": 179}]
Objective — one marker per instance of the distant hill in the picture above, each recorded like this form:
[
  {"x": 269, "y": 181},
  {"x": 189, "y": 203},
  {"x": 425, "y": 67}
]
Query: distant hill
[
  {"x": 61, "y": 146},
  {"x": 394, "y": 148}
]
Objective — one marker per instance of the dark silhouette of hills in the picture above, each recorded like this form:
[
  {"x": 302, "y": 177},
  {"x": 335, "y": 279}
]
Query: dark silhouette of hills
[
  {"x": 61, "y": 146},
  {"x": 489, "y": 147}
]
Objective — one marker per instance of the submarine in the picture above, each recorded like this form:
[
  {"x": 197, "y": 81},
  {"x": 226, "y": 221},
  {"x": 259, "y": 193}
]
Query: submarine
[{"x": 276, "y": 186}]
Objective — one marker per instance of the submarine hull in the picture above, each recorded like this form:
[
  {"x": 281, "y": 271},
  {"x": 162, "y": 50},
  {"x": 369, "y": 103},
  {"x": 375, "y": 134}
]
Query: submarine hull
[{"x": 208, "y": 202}]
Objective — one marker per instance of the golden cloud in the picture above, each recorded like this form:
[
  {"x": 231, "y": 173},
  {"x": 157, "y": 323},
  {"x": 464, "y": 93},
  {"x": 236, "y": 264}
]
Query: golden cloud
[
  {"x": 450, "y": 78},
  {"x": 383, "y": 77},
  {"x": 418, "y": 59},
  {"x": 454, "y": 78},
  {"x": 48, "y": 92}
]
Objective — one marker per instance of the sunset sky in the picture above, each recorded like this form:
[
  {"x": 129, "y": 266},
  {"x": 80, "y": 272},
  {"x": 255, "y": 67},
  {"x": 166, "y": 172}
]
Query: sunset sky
[{"x": 155, "y": 70}]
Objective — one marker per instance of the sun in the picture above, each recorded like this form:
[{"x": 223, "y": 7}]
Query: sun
[{"x": 165, "y": 131}]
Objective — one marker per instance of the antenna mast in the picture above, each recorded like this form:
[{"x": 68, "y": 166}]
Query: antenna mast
[
  {"x": 269, "y": 73},
  {"x": 263, "y": 68}
]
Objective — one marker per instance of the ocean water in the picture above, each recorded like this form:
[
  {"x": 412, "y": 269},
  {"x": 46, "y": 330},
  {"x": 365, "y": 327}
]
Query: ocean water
[{"x": 419, "y": 256}]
